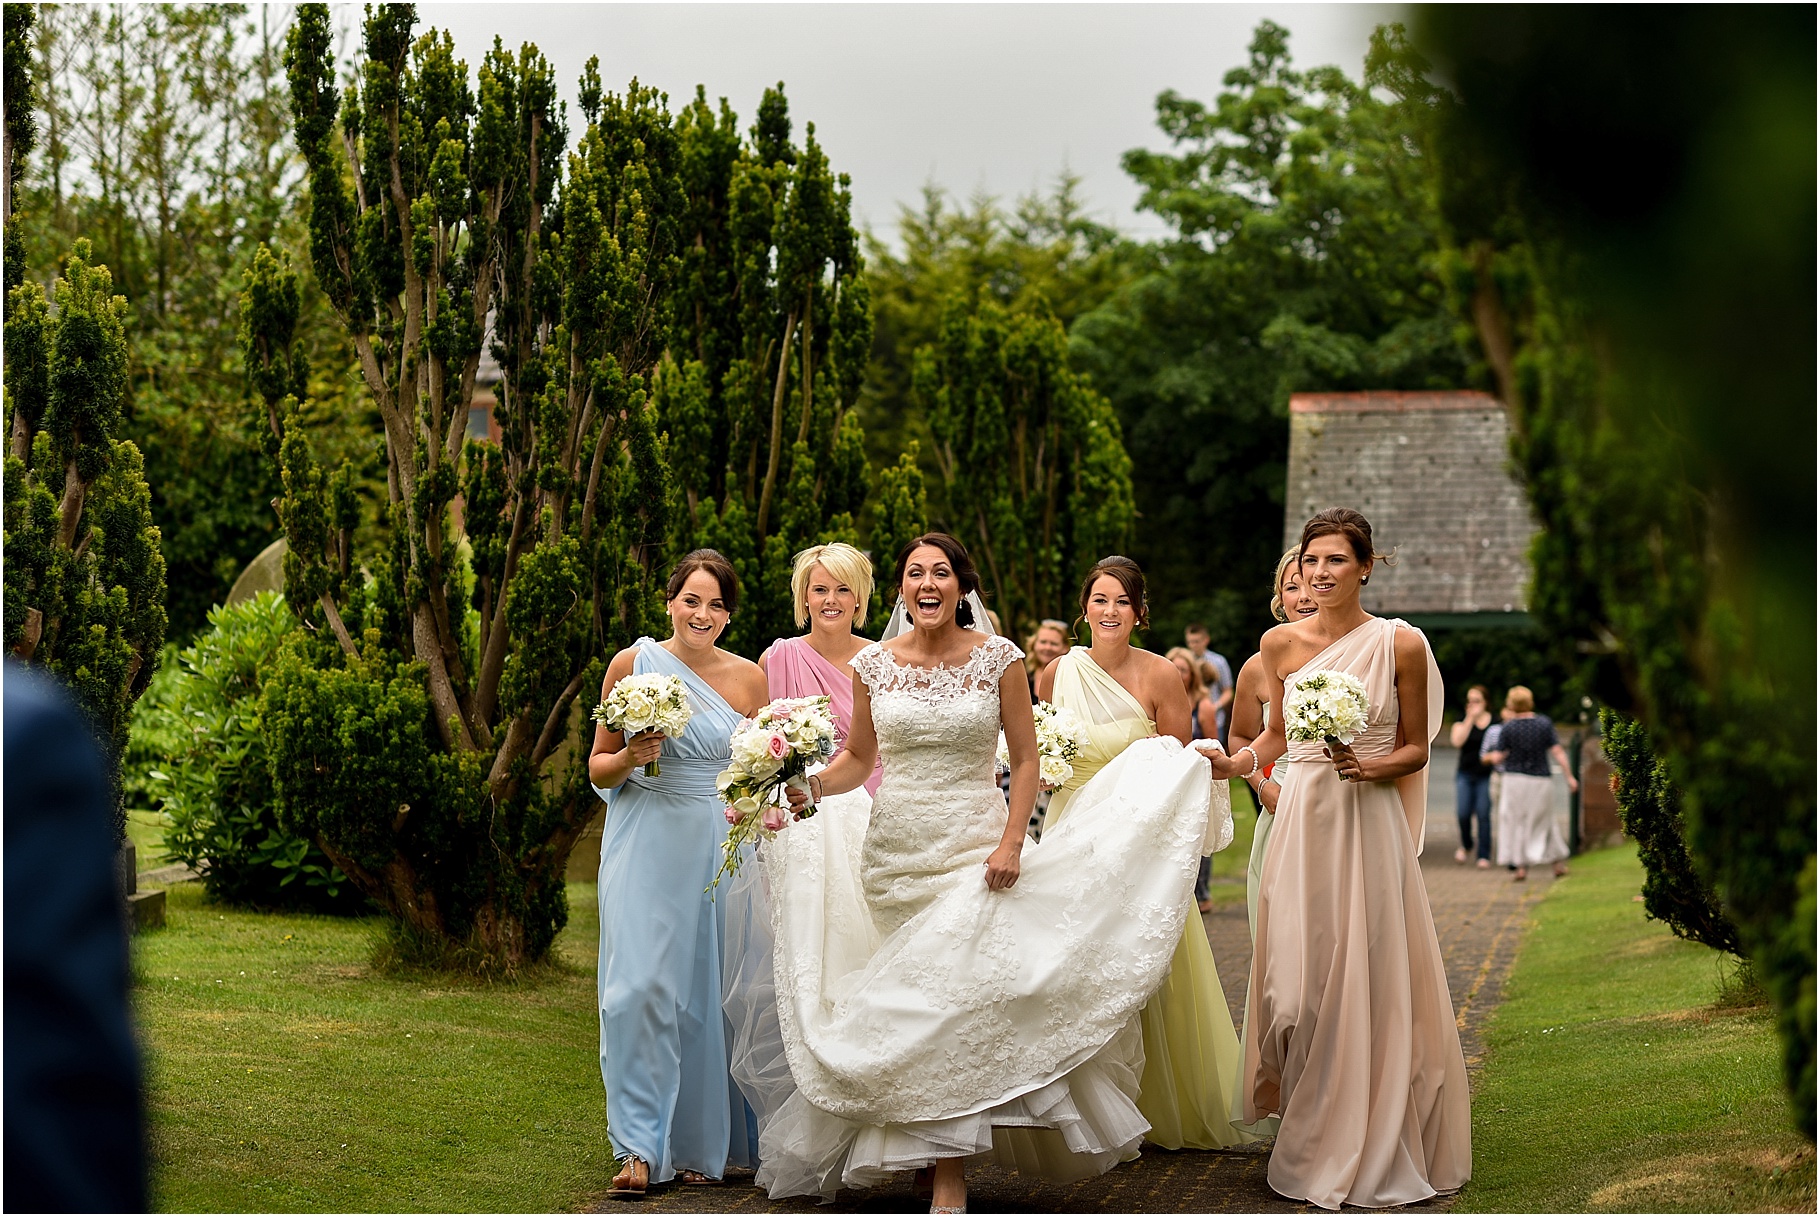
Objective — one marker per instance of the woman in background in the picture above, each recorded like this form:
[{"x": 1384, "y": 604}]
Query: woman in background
[
  {"x": 672, "y": 1109},
  {"x": 1472, "y": 778},
  {"x": 1527, "y": 832},
  {"x": 1203, "y": 714}
]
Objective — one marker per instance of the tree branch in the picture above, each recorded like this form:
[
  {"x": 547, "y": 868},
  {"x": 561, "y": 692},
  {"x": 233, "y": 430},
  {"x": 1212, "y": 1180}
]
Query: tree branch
[{"x": 777, "y": 426}]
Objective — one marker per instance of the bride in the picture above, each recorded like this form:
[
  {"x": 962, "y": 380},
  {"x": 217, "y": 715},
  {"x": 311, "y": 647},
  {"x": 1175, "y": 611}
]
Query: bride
[{"x": 939, "y": 995}]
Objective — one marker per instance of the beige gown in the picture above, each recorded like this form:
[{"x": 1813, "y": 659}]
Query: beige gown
[
  {"x": 1350, "y": 1028},
  {"x": 1191, "y": 1052}
]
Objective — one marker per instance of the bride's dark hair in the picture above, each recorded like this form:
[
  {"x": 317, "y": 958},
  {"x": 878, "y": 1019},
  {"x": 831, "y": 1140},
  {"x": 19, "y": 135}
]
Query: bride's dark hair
[
  {"x": 958, "y": 561},
  {"x": 1130, "y": 576}
]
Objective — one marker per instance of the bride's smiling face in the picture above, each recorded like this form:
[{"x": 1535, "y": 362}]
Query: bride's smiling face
[
  {"x": 1331, "y": 573},
  {"x": 930, "y": 588},
  {"x": 697, "y": 613},
  {"x": 1110, "y": 614}
]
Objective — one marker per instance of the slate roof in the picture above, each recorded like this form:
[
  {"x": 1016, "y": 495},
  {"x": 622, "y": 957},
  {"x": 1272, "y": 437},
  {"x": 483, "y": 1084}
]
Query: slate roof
[{"x": 1432, "y": 472}]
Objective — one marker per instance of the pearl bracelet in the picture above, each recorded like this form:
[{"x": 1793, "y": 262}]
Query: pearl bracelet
[{"x": 1256, "y": 764}]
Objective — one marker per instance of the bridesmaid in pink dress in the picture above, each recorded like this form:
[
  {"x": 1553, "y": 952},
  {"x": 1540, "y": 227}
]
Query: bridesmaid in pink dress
[
  {"x": 1350, "y": 1033},
  {"x": 830, "y": 585}
]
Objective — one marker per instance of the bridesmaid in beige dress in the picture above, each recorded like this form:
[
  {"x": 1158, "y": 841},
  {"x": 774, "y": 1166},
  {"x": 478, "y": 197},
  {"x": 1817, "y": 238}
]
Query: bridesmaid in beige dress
[{"x": 1350, "y": 1028}]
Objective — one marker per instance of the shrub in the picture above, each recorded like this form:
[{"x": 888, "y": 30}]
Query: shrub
[
  {"x": 200, "y": 749},
  {"x": 1674, "y": 891}
]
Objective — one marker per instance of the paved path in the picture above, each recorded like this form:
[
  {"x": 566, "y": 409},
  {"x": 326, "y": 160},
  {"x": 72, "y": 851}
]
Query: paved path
[{"x": 1479, "y": 917}]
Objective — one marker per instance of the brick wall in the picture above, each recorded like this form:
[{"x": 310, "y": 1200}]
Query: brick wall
[{"x": 1432, "y": 473}]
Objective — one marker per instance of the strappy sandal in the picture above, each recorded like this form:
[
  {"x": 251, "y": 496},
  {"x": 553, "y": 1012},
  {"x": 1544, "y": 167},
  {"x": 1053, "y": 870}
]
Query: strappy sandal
[
  {"x": 632, "y": 1181},
  {"x": 696, "y": 1179}
]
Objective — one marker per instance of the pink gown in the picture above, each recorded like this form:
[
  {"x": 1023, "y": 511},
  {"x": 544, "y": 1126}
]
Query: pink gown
[
  {"x": 1350, "y": 1032},
  {"x": 795, "y": 670}
]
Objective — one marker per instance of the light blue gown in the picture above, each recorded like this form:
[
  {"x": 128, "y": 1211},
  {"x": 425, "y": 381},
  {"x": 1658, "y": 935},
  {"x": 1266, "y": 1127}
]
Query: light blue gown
[{"x": 663, "y": 1039}]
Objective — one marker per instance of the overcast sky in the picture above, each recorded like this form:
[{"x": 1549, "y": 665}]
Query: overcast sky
[{"x": 970, "y": 96}]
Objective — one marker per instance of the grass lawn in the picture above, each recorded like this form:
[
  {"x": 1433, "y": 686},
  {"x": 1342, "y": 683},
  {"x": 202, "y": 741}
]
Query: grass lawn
[
  {"x": 285, "y": 1074},
  {"x": 1613, "y": 1079},
  {"x": 145, "y": 829}
]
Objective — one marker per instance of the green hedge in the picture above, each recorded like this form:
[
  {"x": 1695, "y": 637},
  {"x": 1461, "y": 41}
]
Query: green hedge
[{"x": 199, "y": 751}]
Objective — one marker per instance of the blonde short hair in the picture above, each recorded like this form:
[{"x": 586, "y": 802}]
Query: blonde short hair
[
  {"x": 844, "y": 563},
  {"x": 1291, "y": 557},
  {"x": 1520, "y": 700}
]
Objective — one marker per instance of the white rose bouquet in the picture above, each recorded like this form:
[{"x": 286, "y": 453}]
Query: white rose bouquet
[
  {"x": 771, "y": 750},
  {"x": 1060, "y": 736},
  {"x": 1328, "y": 706},
  {"x": 650, "y": 702}
]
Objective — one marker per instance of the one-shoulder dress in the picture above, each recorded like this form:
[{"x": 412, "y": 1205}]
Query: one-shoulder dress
[
  {"x": 1192, "y": 1061},
  {"x": 1350, "y": 1032},
  {"x": 663, "y": 1046}
]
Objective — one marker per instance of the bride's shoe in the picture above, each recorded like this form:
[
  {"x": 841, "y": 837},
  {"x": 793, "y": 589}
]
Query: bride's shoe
[{"x": 937, "y": 1208}]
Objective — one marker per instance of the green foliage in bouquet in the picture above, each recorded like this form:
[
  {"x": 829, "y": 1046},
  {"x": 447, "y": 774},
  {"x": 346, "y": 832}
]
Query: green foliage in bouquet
[
  {"x": 1037, "y": 480},
  {"x": 1641, "y": 280},
  {"x": 199, "y": 737},
  {"x": 1674, "y": 891}
]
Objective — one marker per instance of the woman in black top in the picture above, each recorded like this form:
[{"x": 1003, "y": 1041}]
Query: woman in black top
[
  {"x": 1527, "y": 832},
  {"x": 1472, "y": 780}
]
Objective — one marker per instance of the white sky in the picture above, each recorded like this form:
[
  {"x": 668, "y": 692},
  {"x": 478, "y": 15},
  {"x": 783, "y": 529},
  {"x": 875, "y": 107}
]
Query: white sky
[{"x": 992, "y": 97}]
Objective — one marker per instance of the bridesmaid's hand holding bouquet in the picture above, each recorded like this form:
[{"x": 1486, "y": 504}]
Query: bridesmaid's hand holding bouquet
[
  {"x": 1328, "y": 706},
  {"x": 649, "y": 702}
]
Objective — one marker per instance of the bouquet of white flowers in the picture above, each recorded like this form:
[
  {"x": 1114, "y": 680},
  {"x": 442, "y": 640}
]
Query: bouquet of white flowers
[
  {"x": 1328, "y": 706},
  {"x": 771, "y": 750},
  {"x": 651, "y": 702},
  {"x": 1060, "y": 736}
]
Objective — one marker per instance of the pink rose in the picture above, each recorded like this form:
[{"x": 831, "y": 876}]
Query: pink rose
[
  {"x": 732, "y": 816},
  {"x": 777, "y": 746},
  {"x": 775, "y": 818}
]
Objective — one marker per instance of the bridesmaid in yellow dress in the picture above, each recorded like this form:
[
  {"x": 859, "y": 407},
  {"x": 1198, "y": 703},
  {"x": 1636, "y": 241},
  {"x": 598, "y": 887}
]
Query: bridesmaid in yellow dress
[{"x": 1124, "y": 694}]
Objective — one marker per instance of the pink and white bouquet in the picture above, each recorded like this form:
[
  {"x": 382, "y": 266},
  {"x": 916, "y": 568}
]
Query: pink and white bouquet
[
  {"x": 648, "y": 702},
  {"x": 772, "y": 750}
]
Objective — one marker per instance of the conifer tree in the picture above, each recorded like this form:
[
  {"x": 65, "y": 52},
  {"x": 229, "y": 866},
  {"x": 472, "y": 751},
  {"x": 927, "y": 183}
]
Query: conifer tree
[
  {"x": 1037, "y": 480},
  {"x": 84, "y": 576},
  {"x": 431, "y": 738}
]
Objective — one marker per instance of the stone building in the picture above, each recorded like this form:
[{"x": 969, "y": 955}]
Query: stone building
[{"x": 1432, "y": 473}]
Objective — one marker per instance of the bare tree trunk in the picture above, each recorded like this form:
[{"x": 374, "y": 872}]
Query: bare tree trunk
[{"x": 777, "y": 426}]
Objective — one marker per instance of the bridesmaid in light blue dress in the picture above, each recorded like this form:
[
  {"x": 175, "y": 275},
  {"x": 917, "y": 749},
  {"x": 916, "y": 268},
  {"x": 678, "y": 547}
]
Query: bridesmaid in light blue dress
[{"x": 673, "y": 1111}]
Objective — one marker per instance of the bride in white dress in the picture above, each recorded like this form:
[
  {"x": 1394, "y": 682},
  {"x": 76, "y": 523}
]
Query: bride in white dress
[{"x": 939, "y": 994}]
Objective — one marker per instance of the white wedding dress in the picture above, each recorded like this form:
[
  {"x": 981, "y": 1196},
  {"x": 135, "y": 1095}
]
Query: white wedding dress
[{"x": 919, "y": 1015}]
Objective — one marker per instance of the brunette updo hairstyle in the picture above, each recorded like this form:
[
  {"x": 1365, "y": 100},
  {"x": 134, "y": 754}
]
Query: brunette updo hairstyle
[
  {"x": 716, "y": 564},
  {"x": 958, "y": 561},
  {"x": 1349, "y": 524},
  {"x": 1130, "y": 576}
]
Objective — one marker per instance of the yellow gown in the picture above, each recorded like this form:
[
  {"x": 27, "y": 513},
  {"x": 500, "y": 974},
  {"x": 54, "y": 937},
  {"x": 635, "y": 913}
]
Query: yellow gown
[{"x": 1192, "y": 1059}]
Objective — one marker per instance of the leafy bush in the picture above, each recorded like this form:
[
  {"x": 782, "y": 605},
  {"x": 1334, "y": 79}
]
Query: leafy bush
[
  {"x": 1674, "y": 891},
  {"x": 200, "y": 750}
]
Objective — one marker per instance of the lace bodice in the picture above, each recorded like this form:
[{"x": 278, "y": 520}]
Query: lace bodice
[
  {"x": 937, "y": 727},
  {"x": 938, "y": 811}
]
